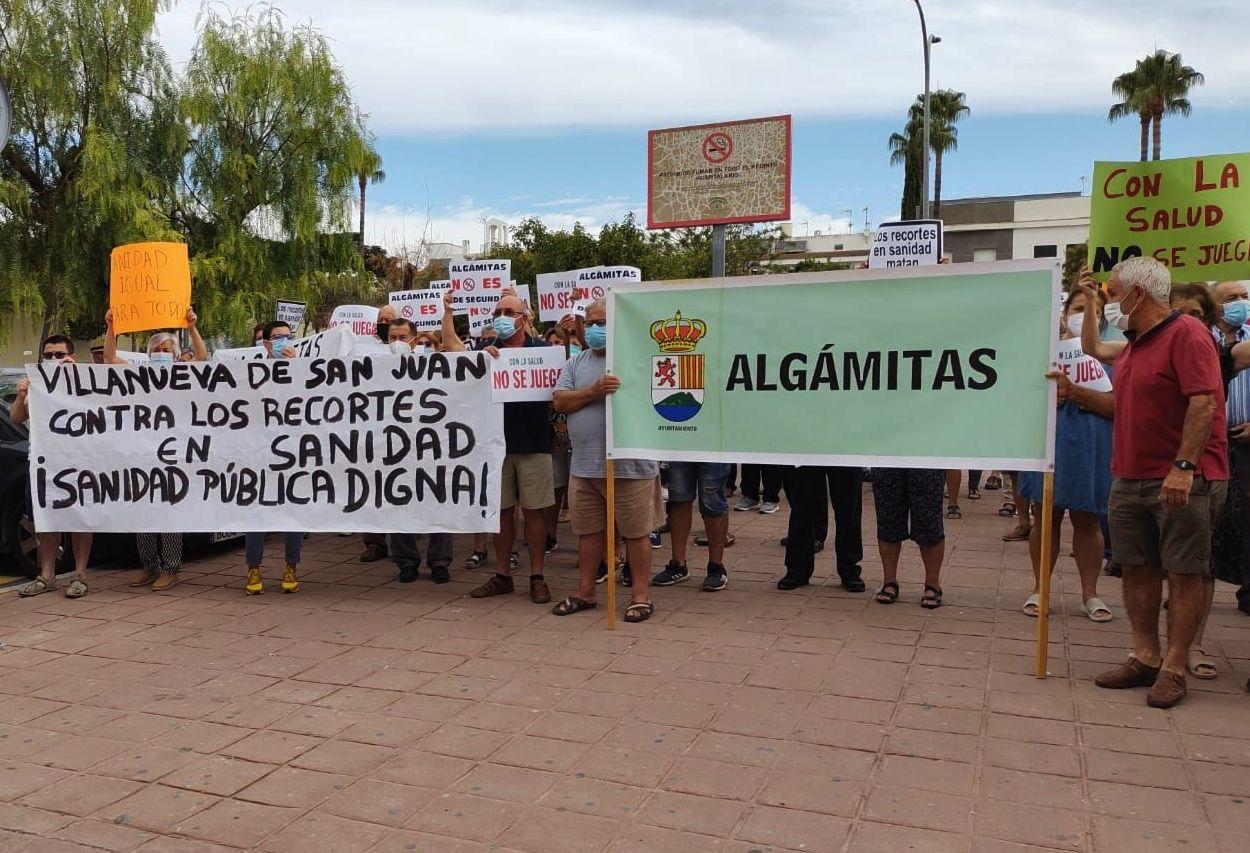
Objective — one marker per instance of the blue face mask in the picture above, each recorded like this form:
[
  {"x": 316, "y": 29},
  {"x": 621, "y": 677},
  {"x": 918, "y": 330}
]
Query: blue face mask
[
  {"x": 505, "y": 327},
  {"x": 597, "y": 337},
  {"x": 574, "y": 349},
  {"x": 1237, "y": 313},
  {"x": 161, "y": 358},
  {"x": 279, "y": 344}
]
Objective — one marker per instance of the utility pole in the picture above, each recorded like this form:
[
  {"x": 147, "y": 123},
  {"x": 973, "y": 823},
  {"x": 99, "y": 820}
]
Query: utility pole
[{"x": 924, "y": 178}]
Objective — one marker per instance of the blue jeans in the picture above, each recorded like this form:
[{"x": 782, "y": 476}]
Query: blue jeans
[
  {"x": 705, "y": 480},
  {"x": 254, "y": 547}
]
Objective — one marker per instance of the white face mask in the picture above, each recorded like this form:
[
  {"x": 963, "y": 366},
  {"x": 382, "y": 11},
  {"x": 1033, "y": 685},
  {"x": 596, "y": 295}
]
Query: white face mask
[
  {"x": 400, "y": 348},
  {"x": 161, "y": 358},
  {"x": 1116, "y": 316},
  {"x": 1076, "y": 322}
]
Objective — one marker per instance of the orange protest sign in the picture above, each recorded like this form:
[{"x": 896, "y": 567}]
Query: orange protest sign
[{"x": 149, "y": 286}]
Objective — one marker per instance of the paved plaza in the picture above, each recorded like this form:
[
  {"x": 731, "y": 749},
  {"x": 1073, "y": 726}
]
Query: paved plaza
[{"x": 362, "y": 714}]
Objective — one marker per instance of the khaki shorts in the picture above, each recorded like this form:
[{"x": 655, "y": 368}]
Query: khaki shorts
[
  {"x": 527, "y": 480},
  {"x": 638, "y": 506},
  {"x": 1177, "y": 540}
]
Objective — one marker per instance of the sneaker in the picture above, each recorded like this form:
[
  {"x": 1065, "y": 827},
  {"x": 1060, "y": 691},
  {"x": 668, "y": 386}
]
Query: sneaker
[
  {"x": 290, "y": 581},
  {"x": 602, "y": 574},
  {"x": 745, "y": 504},
  {"x": 551, "y": 544},
  {"x": 657, "y": 542},
  {"x": 440, "y": 574},
  {"x": 144, "y": 577},
  {"x": 717, "y": 578},
  {"x": 674, "y": 572},
  {"x": 496, "y": 585},
  {"x": 255, "y": 583},
  {"x": 769, "y": 507},
  {"x": 166, "y": 581},
  {"x": 627, "y": 575}
]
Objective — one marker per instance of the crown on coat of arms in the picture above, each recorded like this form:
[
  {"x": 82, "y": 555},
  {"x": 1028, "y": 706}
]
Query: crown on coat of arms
[{"x": 678, "y": 333}]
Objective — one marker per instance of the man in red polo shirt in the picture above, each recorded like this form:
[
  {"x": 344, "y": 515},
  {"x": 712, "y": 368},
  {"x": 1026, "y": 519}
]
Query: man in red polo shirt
[{"x": 1170, "y": 461}]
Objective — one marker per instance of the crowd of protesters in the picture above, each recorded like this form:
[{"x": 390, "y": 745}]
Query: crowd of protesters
[{"x": 1151, "y": 475}]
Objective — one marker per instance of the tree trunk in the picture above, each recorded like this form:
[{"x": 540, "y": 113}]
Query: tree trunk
[
  {"x": 937, "y": 184},
  {"x": 1158, "y": 134},
  {"x": 1145, "y": 137},
  {"x": 363, "y": 182}
]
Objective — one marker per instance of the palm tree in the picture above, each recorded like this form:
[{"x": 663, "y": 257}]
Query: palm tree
[
  {"x": 367, "y": 167},
  {"x": 905, "y": 150},
  {"x": 948, "y": 108},
  {"x": 1129, "y": 88},
  {"x": 1159, "y": 85}
]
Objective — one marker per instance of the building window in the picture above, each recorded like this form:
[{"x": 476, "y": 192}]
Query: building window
[
  {"x": 1046, "y": 251},
  {"x": 983, "y": 255}
]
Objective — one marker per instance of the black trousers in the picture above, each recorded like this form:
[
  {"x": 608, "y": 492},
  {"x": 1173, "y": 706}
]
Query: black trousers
[
  {"x": 770, "y": 475},
  {"x": 1241, "y": 458},
  {"x": 811, "y": 490}
]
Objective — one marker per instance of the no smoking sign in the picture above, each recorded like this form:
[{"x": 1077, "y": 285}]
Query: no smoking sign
[{"x": 717, "y": 146}]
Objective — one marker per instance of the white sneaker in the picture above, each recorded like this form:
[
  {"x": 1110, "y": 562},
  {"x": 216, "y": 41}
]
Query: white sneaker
[
  {"x": 744, "y": 504},
  {"x": 769, "y": 507}
]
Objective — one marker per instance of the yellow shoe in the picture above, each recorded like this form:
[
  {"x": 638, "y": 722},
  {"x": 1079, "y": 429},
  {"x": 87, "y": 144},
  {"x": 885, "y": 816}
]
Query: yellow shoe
[
  {"x": 255, "y": 583},
  {"x": 290, "y": 583}
]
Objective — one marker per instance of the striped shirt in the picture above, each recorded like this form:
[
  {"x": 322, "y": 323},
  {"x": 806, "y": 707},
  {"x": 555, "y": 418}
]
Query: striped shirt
[{"x": 1238, "y": 406}]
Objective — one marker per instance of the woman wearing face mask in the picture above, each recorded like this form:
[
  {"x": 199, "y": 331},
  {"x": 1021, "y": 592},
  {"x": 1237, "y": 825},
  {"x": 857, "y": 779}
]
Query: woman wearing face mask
[
  {"x": 159, "y": 553},
  {"x": 1082, "y": 467}
]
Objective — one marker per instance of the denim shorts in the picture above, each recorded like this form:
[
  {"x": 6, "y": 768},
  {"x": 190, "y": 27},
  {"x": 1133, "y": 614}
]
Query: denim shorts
[{"x": 710, "y": 477}]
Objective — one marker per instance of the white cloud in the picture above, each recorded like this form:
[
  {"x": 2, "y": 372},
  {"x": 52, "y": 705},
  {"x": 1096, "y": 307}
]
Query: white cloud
[
  {"x": 449, "y": 66},
  {"x": 399, "y": 228}
]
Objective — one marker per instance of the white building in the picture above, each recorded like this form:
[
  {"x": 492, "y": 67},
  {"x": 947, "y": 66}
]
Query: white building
[{"x": 1001, "y": 228}]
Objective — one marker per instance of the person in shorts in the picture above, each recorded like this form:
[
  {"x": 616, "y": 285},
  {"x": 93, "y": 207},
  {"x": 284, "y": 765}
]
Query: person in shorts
[
  {"x": 908, "y": 502},
  {"x": 526, "y": 479},
  {"x": 1169, "y": 457},
  {"x": 580, "y": 393},
  {"x": 706, "y": 481}
]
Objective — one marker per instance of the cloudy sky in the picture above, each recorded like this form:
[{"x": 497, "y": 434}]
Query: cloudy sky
[{"x": 540, "y": 107}]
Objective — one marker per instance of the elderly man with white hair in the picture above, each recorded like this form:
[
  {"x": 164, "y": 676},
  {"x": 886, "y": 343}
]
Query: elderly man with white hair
[{"x": 1170, "y": 462}]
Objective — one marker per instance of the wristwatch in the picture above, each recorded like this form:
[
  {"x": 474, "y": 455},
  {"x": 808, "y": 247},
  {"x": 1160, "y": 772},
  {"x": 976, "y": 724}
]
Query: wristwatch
[{"x": 1185, "y": 465}]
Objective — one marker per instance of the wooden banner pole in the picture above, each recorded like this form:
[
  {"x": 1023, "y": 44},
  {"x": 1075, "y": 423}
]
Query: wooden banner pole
[
  {"x": 1043, "y": 589},
  {"x": 609, "y": 552}
]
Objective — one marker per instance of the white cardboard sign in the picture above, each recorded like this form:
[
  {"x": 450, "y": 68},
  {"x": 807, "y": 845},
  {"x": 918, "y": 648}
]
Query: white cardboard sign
[
  {"x": 594, "y": 282},
  {"x": 914, "y": 243},
  {"x": 361, "y": 319},
  {"x": 1080, "y": 368},
  {"x": 423, "y": 308},
  {"x": 478, "y": 284},
  {"x": 402, "y": 443},
  {"x": 291, "y": 313},
  {"x": 555, "y": 295},
  {"x": 526, "y": 374}
]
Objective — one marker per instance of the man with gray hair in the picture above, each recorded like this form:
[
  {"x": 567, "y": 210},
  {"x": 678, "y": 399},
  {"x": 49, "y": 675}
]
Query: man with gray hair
[{"x": 1170, "y": 462}]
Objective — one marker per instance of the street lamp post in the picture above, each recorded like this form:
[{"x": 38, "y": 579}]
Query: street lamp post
[{"x": 924, "y": 178}]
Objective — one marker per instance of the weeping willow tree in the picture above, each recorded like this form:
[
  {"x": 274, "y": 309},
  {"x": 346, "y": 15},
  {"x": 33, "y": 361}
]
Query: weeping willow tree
[
  {"x": 269, "y": 167},
  {"x": 250, "y": 156},
  {"x": 92, "y": 122}
]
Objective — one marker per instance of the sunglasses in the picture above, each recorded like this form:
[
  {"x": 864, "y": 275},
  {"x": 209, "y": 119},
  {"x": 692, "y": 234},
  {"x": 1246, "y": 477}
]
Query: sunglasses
[{"x": 58, "y": 355}]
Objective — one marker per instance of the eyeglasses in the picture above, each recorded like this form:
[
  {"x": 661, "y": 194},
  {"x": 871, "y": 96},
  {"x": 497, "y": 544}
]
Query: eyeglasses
[
  {"x": 596, "y": 322},
  {"x": 506, "y": 312},
  {"x": 58, "y": 355}
]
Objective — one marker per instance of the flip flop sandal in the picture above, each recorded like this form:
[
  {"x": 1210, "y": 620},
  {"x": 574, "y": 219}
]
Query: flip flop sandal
[
  {"x": 993, "y": 483},
  {"x": 1200, "y": 666},
  {"x": 1007, "y": 510},
  {"x": 77, "y": 588},
  {"x": 1097, "y": 611},
  {"x": 974, "y": 494},
  {"x": 475, "y": 559},
  {"x": 572, "y": 605},
  {"x": 1033, "y": 605},
  {"x": 888, "y": 593},
  {"x": 953, "y": 511},
  {"x": 639, "y": 612},
  {"x": 932, "y": 598},
  {"x": 37, "y": 587}
]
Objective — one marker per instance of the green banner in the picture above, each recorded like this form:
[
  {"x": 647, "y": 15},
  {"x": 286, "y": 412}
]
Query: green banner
[
  {"x": 1192, "y": 215},
  {"x": 929, "y": 367}
]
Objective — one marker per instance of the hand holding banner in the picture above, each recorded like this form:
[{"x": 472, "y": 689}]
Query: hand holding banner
[{"x": 149, "y": 287}]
